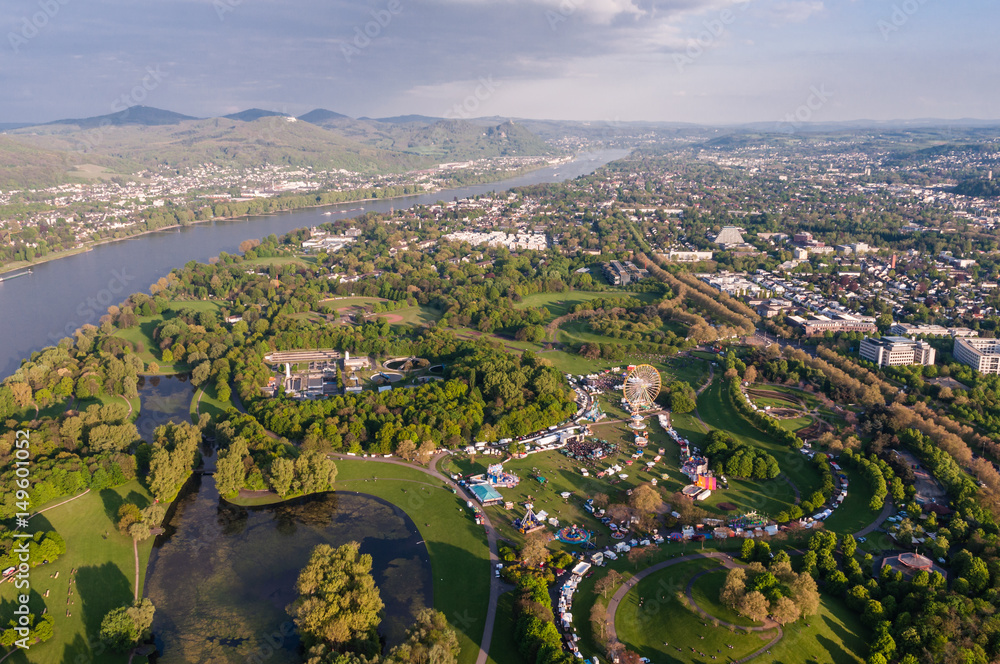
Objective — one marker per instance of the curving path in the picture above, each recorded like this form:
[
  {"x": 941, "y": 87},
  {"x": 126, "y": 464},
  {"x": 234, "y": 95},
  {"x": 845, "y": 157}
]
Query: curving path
[
  {"x": 727, "y": 562},
  {"x": 886, "y": 512},
  {"x": 491, "y": 537}
]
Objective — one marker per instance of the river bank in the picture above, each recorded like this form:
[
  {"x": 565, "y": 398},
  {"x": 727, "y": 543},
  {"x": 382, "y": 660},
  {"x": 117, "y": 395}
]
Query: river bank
[
  {"x": 63, "y": 295},
  {"x": 91, "y": 245}
]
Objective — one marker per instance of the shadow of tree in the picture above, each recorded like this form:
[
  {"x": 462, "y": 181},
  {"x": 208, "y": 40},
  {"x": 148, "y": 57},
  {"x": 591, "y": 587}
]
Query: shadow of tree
[
  {"x": 112, "y": 501},
  {"x": 100, "y": 589}
]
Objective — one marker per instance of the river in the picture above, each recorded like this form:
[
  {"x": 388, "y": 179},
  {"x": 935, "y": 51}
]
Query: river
[{"x": 78, "y": 289}]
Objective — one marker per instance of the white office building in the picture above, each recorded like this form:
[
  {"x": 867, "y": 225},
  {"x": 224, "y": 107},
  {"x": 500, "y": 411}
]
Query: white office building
[
  {"x": 983, "y": 355},
  {"x": 896, "y": 351}
]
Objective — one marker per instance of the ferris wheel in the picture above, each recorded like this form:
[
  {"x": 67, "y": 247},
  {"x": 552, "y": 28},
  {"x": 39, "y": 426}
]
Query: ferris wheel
[{"x": 642, "y": 385}]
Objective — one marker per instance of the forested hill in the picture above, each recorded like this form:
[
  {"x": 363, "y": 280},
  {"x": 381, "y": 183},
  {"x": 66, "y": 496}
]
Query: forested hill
[{"x": 979, "y": 188}]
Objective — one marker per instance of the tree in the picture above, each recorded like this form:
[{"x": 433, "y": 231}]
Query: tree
[
  {"x": 338, "y": 601},
  {"x": 754, "y": 606},
  {"x": 407, "y": 450},
  {"x": 535, "y": 551},
  {"x": 123, "y": 627},
  {"x": 645, "y": 499},
  {"x": 599, "y": 619},
  {"x": 732, "y": 591},
  {"x": 128, "y": 514},
  {"x": 428, "y": 641},
  {"x": 849, "y": 545},
  {"x": 608, "y": 582},
  {"x": 806, "y": 594},
  {"x": 230, "y": 473},
  {"x": 784, "y": 611},
  {"x": 282, "y": 475},
  {"x": 201, "y": 372},
  {"x": 746, "y": 553},
  {"x": 750, "y": 375}
]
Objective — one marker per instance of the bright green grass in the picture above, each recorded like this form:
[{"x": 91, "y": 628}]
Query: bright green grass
[
  {"x": 811, "y": 400},
  {"x": 834, "y": 636},
  {"x": 503, "y": 647},
  {"x": 418, "y": 315},
  {"x": 105, "y": 573},
  {"x": 560, "y": 304},
  {"x": 348, "y": 302},
  {"x": 141, "y": 336},
  {"x": 209, "y": 403},
  {"x": 796, "y": 423},
  {"x": 716, "y": 409},
  {"x": 456, "y": 545},
  {"x": 195, "y": 305},
  {"x": 853, "y": 514},
  {"x": 706, "y": 592},
  {"x": 662, "y": 617}
]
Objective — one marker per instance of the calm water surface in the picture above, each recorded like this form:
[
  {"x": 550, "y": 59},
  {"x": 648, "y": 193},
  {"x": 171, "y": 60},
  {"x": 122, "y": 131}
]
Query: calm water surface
[{"x": 60, "y": 296}]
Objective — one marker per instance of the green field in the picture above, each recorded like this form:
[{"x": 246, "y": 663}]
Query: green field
[
  {"x": 205, "y": 400},
  {"x": 104, "y": 578},
  {"x": 853, "y": 514},
  {"x": 716, "y": 409},
  {"x": 456, "y": 545},
  {"x": 662, "y": 617},
  {"x": 348, "y": 302},
  {"x": 503, "y": 647},
  {"x": 833, "y": 636},
  {"x": 560, "y": 304},
  {"x": 796, "y": 423},
  {"x": 706, "y": 592}
]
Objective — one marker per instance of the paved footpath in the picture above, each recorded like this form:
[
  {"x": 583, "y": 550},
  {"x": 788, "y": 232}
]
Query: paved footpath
[{"x": 727, "y": 562}]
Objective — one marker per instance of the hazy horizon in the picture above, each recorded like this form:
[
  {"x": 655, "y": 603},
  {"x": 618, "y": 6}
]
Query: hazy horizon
[{"x": 716, "y": 62}]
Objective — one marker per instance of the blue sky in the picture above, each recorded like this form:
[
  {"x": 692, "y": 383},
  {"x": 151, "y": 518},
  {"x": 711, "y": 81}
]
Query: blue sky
[{"x": 704, "y": 61}]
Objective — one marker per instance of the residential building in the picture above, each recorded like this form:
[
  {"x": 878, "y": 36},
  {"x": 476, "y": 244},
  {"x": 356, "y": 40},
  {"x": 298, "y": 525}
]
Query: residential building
[{"x": 896, "y": 351}]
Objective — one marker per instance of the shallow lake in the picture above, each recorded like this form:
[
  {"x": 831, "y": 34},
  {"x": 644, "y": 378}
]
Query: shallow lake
[{"x": 221, "y": 576}]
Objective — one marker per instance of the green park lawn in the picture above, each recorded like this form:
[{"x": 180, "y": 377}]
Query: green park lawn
[
  {"x": 833, "y": 636},
  {"x": 560, "y": 304},
  {"x": 206, "y": 400},
  {"x": 503, "y": 647},
  {"x": 104, "y": 578},
  {"x": 662, "y": 617},
  {"x": 348, "y": 302},
  {"x": 418, "y": 315},
  {"x": 456, "y": 545},
  {"x": 796, "y": 423},
  {"x": 853, "y": 514},
  {"x": 716, "y": 409},
  {"x": 706, "y": 592}
]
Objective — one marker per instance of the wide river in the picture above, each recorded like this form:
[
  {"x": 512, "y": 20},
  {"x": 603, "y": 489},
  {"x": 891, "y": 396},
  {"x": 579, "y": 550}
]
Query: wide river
[{"x": 60, "y": 296}]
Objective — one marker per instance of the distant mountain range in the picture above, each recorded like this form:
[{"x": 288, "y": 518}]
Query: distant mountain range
[{"x": 142, "y": 137}]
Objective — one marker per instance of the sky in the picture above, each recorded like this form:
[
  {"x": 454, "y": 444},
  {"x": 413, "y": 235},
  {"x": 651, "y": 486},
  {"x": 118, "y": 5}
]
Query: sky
[{"x": 699, "y": 61}]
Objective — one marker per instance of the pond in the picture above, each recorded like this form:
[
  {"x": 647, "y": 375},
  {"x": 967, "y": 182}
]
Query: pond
[
  {"x": 221, "y": 575},
  {"x": 163, "y": 399}
]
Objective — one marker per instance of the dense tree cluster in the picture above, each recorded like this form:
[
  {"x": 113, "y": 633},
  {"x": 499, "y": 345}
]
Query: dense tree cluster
[{"x": 735, "y": 459}]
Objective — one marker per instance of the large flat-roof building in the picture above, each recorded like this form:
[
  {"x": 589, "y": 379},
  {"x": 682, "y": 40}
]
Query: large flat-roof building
[
  {"x": 983, "y": 355},
  {"x": 896, "y": 351},
  {"x": 835, "y": 322}
]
